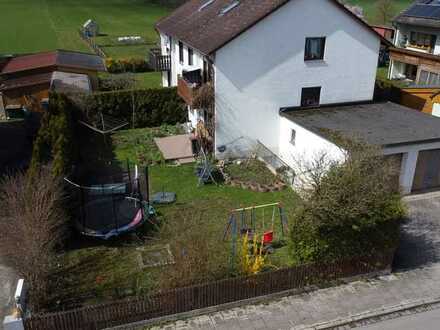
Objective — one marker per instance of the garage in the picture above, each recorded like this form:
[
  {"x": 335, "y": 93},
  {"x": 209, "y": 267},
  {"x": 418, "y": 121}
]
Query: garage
[{"x": 427, "y": 175}]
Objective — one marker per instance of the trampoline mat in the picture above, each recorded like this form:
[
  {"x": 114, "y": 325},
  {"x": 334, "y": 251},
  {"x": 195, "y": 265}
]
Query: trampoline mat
[{"x": 106, "y": 214}]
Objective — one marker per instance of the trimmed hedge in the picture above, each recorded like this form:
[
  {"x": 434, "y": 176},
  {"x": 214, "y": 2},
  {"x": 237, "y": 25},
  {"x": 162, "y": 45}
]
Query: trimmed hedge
[
  {"x": 127, "y": 65},
  {"x": 153, "y": 107}
]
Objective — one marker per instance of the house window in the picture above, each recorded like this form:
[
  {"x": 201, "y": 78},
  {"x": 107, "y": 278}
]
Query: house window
[
  {"x": 422, "y": 40},
  {"x": 429, "y": 78},
  {"x": 292, "y": 137},
  {"x": 314, "y": 49},
  {"x": 181, "y": 52},
  {"x": 310, "y": 96},
  {"x": 190, "y": 56}
]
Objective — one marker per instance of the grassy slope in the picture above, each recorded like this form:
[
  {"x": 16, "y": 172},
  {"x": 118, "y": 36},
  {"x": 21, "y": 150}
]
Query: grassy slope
[
  {"x": 36, "y": 25},
  {"x": 370, "y": 8}
]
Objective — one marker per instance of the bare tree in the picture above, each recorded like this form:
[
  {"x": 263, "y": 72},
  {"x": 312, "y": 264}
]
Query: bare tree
[
  {"x": 385, "y": 10},
  {"x": 32, "y": 224}
]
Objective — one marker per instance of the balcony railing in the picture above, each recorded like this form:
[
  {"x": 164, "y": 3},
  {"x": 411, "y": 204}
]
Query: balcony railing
[
  {"x": 187, "y": 85},
  {"x": 159, "y": 62}
]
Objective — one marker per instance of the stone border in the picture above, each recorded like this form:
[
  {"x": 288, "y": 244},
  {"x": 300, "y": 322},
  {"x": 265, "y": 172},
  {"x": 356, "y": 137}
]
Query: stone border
[{"x": 278, "y": 185}]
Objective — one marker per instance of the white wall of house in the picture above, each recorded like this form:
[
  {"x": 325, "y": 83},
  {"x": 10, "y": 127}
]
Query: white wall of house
[
  {"x": 306, "y": 148},
  {"x": 170, "y": 46},
  {"x": 263, "y": 70}
]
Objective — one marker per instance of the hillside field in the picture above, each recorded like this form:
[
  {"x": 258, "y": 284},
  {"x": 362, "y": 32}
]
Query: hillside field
[
  {"x": 371, "y": 12},
  {"x": 38, "y": 25}
]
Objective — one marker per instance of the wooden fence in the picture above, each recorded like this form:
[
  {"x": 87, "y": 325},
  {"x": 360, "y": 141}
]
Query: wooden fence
[
  {"x": 92, "y": 44},
  {"x": 205, "y": 295}
]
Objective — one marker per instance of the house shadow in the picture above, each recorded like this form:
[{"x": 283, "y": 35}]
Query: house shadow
[{"x": 419, "y": 241}]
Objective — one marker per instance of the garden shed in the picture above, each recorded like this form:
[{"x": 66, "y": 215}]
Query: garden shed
[{"x": 91, "y": 28}]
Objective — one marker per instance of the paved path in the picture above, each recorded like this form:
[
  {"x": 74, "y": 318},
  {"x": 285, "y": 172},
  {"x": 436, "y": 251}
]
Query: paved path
[
  {"x": 416, "y": 279},
  {"x": 421, "y": 321},
  {"x": 7, "y": 283}
]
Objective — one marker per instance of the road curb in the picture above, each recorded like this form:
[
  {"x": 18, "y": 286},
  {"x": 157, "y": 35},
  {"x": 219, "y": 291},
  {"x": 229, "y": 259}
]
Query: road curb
[{"x": 377, "y": 315}]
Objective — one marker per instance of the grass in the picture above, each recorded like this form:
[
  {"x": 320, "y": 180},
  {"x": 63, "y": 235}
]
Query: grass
[
  {"x": 39, "y": 25},
  {"x": 137, "y": 145},
  {"x": 371, "y": 11},
  {"x": 93, "y": 272}
]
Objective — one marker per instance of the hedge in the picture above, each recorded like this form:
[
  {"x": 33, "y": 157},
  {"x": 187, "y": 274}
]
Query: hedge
[
  {"x": 153, "y": 107},
  {"x": 127, "y": 65}
]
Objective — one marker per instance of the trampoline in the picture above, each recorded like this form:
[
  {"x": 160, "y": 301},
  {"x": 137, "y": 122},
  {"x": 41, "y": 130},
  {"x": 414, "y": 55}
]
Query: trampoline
[{"x": 112, "y": 209}]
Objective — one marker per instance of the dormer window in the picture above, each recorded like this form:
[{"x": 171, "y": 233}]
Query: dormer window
[{"x": 314, "y": 49}]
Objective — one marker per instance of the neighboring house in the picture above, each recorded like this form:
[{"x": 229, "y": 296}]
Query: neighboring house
[
  {"x": 416, "y": 55},
  {"x": 26, "y": 80},
  {"x": 269, "y": 61},
  {"x": 386, "y": 32}
]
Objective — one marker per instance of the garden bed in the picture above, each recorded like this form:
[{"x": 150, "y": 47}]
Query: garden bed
[{"x": 252, "y": 174}]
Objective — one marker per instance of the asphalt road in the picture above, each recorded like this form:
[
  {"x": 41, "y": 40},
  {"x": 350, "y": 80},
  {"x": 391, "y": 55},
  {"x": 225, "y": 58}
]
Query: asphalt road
[{"x": 422, "y": 321}]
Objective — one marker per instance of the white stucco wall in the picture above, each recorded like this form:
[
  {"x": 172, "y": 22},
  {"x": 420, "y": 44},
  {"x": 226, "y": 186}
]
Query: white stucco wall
[
  {"x": 172, "y": 44},
  {"x": 263, "y": 69},
  {"x": 307, "y": 148}
]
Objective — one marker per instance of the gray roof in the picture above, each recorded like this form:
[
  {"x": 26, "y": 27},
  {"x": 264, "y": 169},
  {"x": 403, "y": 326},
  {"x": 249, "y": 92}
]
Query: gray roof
[
  {"x": 422, "y": 13},
  {"x": 382, "y": 124}
]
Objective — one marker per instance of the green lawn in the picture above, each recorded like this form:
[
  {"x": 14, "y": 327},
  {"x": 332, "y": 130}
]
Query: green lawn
[
  {"x": 38, "y": 25},
  {"x": 371, "y": 12},
  {"x": 96, "y": 272}
]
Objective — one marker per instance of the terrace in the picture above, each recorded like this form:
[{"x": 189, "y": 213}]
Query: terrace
[
  {"x": 187, "y": 85},
  {"x": 159, "y": 62}
]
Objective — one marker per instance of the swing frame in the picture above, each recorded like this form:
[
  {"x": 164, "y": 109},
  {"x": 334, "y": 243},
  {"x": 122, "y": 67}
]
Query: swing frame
[{"x": 232, "y": 226}]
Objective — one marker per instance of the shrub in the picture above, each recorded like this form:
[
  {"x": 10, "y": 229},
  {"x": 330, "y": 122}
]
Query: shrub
[
  {"x": 32, "y": 226},
  {"x": 353, "y": 209},
  {"x": 54, "y": 142},
  {"x": 127, "y": 65}
]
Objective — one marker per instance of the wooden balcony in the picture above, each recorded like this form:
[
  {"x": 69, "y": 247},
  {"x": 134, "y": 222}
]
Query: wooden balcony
[
  {"x": 187, "y": 85},
  {"x": 159, "y": 62}
]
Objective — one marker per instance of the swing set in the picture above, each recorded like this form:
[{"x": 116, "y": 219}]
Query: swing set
[{"x": 251, "y": 221}]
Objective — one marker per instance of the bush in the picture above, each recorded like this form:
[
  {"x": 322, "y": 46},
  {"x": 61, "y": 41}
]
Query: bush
[
  {"x": 152, "y": 107},
  {"x": 54, "y": 142},
  {"x": 33, "y": 225},
  {"x": 353, "y": 209},
  {"x": 127, "y": 65}
]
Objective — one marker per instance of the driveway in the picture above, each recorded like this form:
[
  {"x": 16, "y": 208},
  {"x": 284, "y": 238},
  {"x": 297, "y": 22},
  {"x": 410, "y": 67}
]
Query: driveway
[
  {"x": 7, "y": 286},
  {"x": 420, "y": 237}
]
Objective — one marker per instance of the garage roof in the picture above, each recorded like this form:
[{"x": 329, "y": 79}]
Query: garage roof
[{"x": 383, "y": 124}]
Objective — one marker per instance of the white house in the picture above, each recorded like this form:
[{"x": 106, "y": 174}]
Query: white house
[
  {"x": 267, "y": 58},
  {"x": 416, "y": 56}
]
